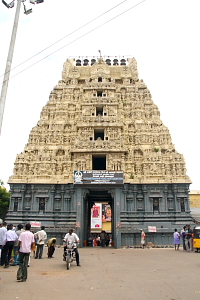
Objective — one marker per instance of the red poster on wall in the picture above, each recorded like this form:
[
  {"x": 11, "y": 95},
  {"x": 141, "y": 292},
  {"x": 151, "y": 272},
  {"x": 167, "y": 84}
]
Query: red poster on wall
[{"x": 96, "y": 216}]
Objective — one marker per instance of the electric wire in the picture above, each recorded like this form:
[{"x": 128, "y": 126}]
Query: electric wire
[
  {"x": 80, "y": 37},
  {"x": 66, "y": 36}
]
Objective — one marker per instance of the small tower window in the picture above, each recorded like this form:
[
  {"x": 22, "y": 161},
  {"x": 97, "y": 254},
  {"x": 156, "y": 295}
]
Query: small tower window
[
  {"x": 99, "y": 111},
  {"x": 98, "y": 134},
  {"x": 99, "y": 94},
  {"x": 98, "y": 162},
  {"x": 99, "y": 79}
]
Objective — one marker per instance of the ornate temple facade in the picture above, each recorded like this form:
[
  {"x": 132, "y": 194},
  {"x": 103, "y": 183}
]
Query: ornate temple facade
[{"x": 101, "y": 116}]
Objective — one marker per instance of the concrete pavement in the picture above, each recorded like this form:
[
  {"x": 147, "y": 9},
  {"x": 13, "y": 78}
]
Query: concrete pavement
[{"x": 110, "y": 274}]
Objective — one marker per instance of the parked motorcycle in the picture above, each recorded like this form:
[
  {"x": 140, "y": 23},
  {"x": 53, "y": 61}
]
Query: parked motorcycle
[{"x": 70, "y": 254}]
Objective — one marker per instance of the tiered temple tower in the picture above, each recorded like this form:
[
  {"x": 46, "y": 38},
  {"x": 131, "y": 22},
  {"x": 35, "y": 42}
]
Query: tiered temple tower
[{"x": 101, "y": 116}]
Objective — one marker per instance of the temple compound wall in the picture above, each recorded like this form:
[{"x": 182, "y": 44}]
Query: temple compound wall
[{"x": 101, "y": 116}]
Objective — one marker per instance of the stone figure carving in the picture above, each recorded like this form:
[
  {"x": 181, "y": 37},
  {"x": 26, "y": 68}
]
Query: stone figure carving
[{"x": 68, "y": 65}]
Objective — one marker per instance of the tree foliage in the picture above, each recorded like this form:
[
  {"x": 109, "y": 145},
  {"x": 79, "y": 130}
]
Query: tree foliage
[{"x": 4, "y": 198}]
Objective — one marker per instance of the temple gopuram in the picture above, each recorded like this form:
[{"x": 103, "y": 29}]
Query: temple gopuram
[{"x": 100, "y": 158}]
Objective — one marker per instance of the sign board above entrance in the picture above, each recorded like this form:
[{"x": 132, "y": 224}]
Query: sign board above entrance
[{"x": 98, "y": 177}]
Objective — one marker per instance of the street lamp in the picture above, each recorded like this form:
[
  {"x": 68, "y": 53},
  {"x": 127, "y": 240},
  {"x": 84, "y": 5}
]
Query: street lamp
[{"x": 11, "y": 50}]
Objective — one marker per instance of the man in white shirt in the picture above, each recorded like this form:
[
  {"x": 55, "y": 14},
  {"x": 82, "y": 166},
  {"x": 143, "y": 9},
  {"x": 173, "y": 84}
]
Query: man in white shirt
[
  {"x": 8, "y": 242},
  {"x": 26, "y": 241},
  {"x": 41, "y": 236},
  {"x": 3, "y": 230},
  {"x": 72, "y": 237}
]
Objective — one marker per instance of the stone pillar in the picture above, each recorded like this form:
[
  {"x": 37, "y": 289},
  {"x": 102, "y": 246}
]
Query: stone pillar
[
  {"x": 117, "y": 220},
  {"x": 165, "y": 192},
  {"x": 51, "y": 200},
  {"x": 178, "y": 205},
  {"x": 145, "y": 192},
  {"x": 67, "y": 203},
  {"x": 187, "y": 204},
  {"x": 72, "y": 204},
  {"x": 160, "y": 206},
  {"x": 32, "y": 197},
  {"x": 79, "y": 215},
  {"x": 20, "y": 207},
  {"x": 171, "y": 203},
  {"x": 134, "y": 197},
  {"x": 125, "y": 197},
  {"x": 23, "y": 196},
  {"x": 175, "y": 198},
  {"x": 62, "y": 198}
]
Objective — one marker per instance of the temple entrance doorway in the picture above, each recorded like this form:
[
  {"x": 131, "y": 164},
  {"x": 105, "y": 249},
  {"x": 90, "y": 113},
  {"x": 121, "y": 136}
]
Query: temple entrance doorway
[{"x": 99, "y": 217}]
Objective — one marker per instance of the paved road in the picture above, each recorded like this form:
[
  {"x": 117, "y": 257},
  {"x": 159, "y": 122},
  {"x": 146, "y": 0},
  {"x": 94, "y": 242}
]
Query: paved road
[{"x": 108, "y": 274}]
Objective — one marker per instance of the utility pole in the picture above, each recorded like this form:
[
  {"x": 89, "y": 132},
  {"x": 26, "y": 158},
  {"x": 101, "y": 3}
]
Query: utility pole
[
  {"x": 11, "y": 50},
  {"x": 8, "y": 63}
]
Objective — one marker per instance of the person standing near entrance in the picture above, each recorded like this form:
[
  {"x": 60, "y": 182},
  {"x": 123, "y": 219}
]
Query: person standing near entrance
[
  {"x": 107, "y": 239},
  {"x": 26, "y": 241},
  {"x": 103, "y": 238},
  {"x": 41, "y": 236},
  {"x": 176, "y": 239},
  {"x": 143, "y": 236}
]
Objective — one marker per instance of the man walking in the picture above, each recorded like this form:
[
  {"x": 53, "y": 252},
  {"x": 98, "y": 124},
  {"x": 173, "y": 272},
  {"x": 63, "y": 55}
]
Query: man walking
[
  {"x": 41, "y": 237},
  {"x": 8, "y": 242},
  {"x": 26, "y": 241}
]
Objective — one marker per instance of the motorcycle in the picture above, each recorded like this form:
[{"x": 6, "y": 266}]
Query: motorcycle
[{"x": 69, "y": 253}]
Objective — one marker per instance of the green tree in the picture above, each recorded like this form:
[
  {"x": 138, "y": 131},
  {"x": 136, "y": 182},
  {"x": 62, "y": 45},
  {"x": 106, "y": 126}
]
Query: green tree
[{"x": 4, "y": 198}]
